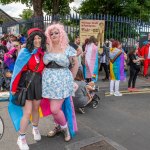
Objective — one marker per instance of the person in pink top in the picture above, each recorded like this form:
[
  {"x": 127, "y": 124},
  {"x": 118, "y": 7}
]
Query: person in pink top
[{"x": 90, "y": 57}]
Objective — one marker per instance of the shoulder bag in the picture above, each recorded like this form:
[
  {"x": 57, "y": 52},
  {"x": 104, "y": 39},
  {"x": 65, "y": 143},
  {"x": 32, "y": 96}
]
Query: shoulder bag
[{"x": 20, "y": 96}]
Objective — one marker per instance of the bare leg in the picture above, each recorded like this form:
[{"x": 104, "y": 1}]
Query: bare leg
[
  {"x": 26, "y": 116},
  {"x": 57, "y": 112},
  {"x": 35, "y": 112}
]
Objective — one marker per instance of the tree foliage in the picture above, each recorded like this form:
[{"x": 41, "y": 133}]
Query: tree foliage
[
  {"x": 26, "y": 14},
  {"x": 57, "y": 6},
  {"x": 138, "y": 9},
  {"x": 49, "y": 6}
]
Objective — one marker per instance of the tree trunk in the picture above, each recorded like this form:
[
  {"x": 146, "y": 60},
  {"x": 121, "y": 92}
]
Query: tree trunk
[
  {"x": 38, "y": 13},
  {"x": 55, "y": 8},
  {"x": 37, "y": 7}
]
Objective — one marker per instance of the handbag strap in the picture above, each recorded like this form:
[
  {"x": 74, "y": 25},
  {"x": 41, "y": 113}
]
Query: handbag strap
[{"x": 33, "y": 74}]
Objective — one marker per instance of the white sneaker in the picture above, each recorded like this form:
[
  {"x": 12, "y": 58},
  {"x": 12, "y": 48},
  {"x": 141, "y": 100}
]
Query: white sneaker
[
  {"x": 37, "y": 135},
  {"x": 118, "y": 94},
  {"x": 112, "y": 93},
  {"x": 22, "y": 144}
]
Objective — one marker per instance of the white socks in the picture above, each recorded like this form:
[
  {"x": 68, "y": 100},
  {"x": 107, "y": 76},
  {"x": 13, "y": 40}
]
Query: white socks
[
  {"x": 22, "y": 136},
  {"x": 35, "y": 127},
  {"x": 63, "y": 127}
]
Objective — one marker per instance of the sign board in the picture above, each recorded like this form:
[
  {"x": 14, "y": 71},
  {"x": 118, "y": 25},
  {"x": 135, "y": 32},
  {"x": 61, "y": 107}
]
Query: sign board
[
  {"x": 94, "y": 28},
  {"x": 13, "y": 30}
]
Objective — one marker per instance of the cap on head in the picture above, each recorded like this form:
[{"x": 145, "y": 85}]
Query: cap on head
[{"x": 33, "y": 30}]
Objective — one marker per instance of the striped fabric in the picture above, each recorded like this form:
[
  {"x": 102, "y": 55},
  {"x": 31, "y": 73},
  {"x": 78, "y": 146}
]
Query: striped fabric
[
  {"x": 117, "y": 67},
  {"x": 90, "y": 69}
]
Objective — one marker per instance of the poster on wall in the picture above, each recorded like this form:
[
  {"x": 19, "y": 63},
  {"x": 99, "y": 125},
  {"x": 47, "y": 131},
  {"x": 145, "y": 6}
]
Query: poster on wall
[
  {"x": 94, "y": 28},
  {"x": 144, "y": 37},
  {"x": 13, "y": 30}
]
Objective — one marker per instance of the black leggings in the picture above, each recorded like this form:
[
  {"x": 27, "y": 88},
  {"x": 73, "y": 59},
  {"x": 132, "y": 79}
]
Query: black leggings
[
  {"x": 106, "y": 69},
  {"x": 133, "y": 75}
]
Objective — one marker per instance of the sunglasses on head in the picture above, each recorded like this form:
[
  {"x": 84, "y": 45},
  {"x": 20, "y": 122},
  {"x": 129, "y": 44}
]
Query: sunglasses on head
[{"x": 54, "y": 33}]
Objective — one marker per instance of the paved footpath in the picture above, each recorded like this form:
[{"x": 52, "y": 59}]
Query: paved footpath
[{"x": 124, "y": 120}]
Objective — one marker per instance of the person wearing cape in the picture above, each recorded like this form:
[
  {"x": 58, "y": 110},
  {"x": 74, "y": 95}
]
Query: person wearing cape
[
  {"x": 57, "y": 79},
  {"x": 28, "y": 59},
  {"x": 116, "y": 68},
  {"x": 90, "y": 69}
]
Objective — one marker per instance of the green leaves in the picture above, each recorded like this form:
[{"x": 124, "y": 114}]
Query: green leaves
[
  {"x": 49, "y": 6},
  {"x": 26, "y": 14},
  {"x": 136, "y": 9}
]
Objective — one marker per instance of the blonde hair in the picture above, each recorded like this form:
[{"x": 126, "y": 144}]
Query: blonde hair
[{"x": 64, "y": 41}]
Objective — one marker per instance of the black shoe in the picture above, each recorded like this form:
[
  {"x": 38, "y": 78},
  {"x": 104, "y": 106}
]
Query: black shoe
[{"x": 105, "y": 79}]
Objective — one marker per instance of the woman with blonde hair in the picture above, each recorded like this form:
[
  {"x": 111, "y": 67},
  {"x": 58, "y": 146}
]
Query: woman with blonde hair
[{"x": 57, "y": 80}]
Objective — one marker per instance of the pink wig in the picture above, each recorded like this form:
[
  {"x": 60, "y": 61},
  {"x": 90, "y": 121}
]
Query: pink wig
[{"x": 63, "y": 35}]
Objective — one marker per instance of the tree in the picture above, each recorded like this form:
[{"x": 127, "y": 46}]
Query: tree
[
  {"x": 52, "y": 6},
  {"x": 138, "y": 9},
  {"x": 37, "y": 5},
  {"x": 57, "y": 6},
  {"x": 26, "y": 14}
]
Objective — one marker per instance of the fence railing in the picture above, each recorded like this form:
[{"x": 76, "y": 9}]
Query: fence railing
[{"x": 124, "y": 29}]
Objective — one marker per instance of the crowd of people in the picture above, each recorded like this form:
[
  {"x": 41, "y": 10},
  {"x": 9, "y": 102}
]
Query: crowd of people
[
  {"x": 65, "y": 74},
  {"x": 10, "y": 45},
  {"x": 117, "y": 64}
]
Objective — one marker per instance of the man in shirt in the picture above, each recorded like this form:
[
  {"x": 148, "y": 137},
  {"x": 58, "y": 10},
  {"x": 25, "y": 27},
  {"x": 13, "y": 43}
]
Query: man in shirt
[{"x": 76, "y": 46}]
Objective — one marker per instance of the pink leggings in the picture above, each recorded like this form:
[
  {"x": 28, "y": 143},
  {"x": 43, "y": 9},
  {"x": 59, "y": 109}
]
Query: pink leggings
[{"x": 56, "y": 109}]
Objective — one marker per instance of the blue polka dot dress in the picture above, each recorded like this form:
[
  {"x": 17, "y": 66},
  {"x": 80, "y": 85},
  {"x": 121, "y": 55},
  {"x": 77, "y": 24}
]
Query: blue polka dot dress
[{"x": 57, "y": 83}]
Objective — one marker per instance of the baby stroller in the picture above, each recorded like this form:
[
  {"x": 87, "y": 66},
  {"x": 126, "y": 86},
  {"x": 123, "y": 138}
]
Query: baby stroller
[
  {"x": 95, "y": 97},
  {"x": 94, "y": 102}
]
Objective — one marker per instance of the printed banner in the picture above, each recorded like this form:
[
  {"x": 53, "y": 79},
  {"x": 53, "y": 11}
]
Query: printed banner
[{"x": 94, "y": 28}]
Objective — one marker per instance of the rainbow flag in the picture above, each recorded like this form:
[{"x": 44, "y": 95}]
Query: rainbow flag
[{"x": 117, "y": 67}]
